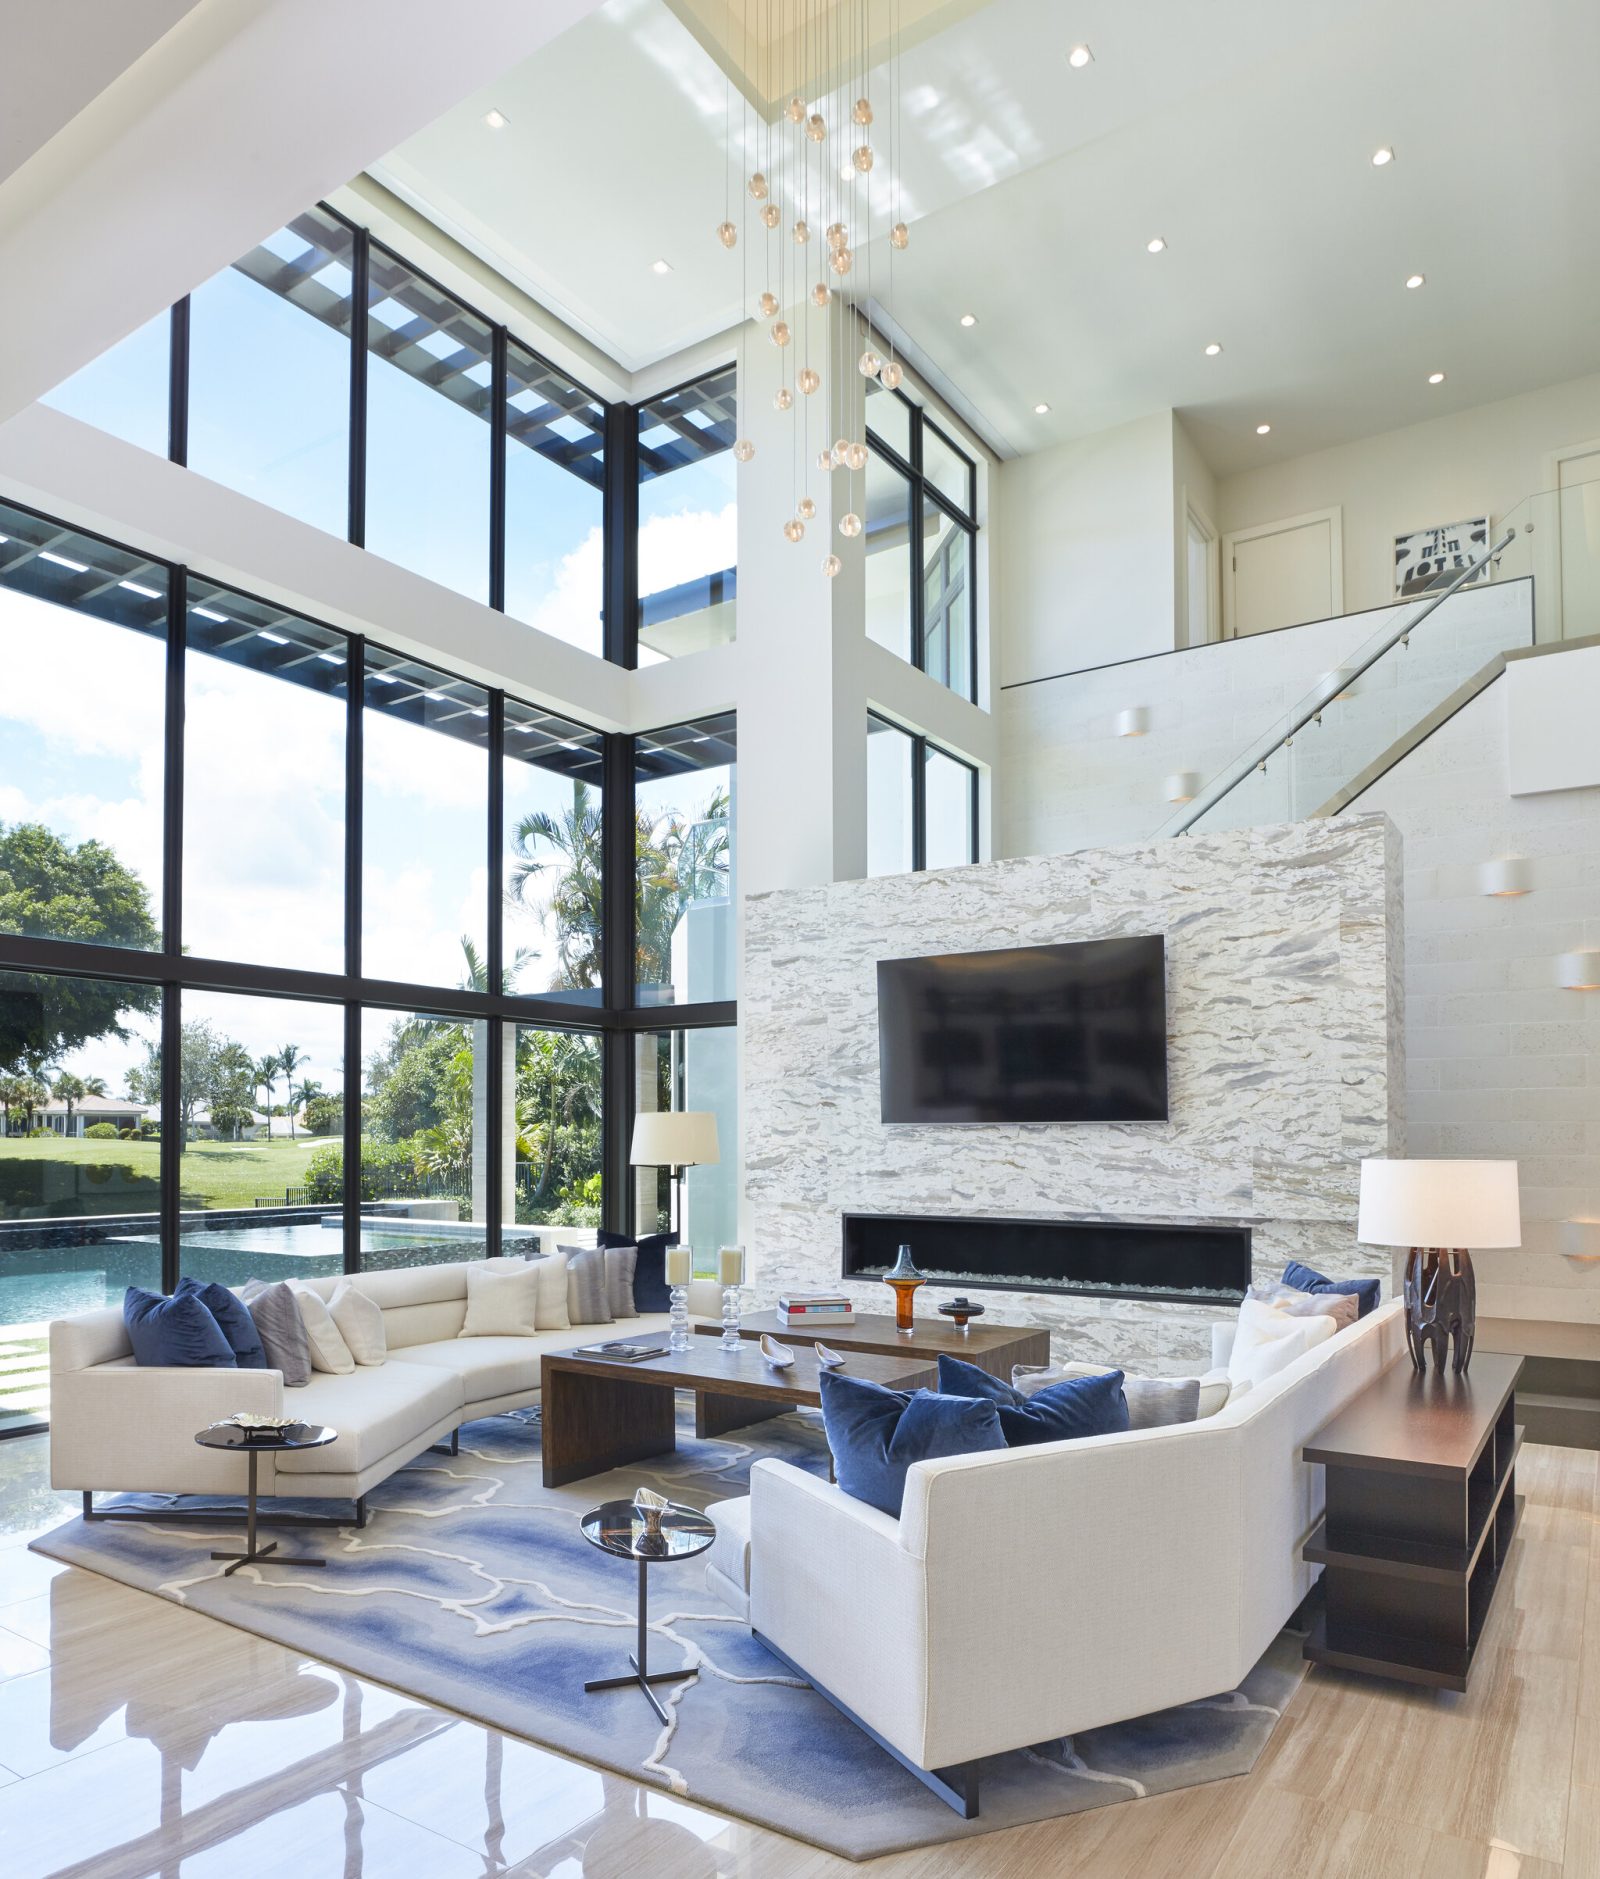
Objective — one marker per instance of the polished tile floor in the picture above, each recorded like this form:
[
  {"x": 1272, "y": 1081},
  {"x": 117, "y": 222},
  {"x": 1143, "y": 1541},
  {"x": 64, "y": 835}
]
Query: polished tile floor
[{"x": 139, "y": 1739}]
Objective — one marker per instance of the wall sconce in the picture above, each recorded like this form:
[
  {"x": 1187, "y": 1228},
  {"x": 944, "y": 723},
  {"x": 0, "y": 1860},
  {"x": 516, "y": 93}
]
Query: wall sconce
[
  {"x": 1580, "y": 1242},
  {"x": 1133, "y": 722},
  {"x": 1579, "y": 972},
  {"x": 1182, "y": 786},
  {"x": 1506, "y": 878}
]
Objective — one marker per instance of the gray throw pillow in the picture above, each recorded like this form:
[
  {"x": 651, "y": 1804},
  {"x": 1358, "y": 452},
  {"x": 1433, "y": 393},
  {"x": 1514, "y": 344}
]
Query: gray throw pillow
[
  {"x": 276, "y": 1313},
  {"x": 587, "y": 1293},
  {"x": 620, "y": 1264},
  {"x": 1153, "y": 1402}
]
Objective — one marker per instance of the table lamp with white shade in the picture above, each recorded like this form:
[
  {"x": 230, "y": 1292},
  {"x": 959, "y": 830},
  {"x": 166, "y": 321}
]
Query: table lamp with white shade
[
  {"x": 676, "y": 1139},
  {"x": 1440, "y": 1210}
]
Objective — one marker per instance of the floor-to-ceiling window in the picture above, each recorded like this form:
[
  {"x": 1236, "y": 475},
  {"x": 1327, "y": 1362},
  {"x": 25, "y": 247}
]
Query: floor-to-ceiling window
[
  {"x": 314, "y": 957},
  {"x": 922, "y": 802},
  {"x": 688, "y": 518}
]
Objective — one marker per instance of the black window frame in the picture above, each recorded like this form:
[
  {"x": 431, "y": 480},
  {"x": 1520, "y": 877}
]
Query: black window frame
[
  {"x": 920, "y": 748},
  {"x": 926, "y": 500}
]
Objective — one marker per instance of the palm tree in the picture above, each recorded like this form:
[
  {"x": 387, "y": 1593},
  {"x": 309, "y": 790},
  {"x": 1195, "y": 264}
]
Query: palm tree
[
  {"x": 34, "y": 1095},
  {"x": 303, "y": 1094},
  {"x": 290, "y": 1059},
  {"x": 476, "y": 976},
  {"x": 70, "y": 1090},
  {"x": 266, "y": 1076},
  {"x": 14, "y": 1094},
  {"x": 573, "y": 840}
]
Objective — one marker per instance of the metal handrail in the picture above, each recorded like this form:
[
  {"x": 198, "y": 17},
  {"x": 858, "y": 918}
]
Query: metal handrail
[{"x": 1322, "y": 695}]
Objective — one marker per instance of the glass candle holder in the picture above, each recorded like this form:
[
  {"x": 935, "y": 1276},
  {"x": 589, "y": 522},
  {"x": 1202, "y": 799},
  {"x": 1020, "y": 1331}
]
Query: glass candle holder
[
  {"x": 731, "y": 1339},
  {"x": 678, "y": 1334}
]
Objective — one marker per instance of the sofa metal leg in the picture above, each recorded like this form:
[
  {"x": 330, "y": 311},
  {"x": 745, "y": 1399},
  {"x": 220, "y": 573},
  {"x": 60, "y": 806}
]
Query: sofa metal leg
[
  {"x": 361, "y": 1510},
  {"x": 956, "y": 1786},
  {"x": 452, "y": 1447}
]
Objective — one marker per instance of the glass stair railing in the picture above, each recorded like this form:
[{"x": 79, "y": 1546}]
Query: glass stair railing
[{"x": 1413, "y": 666}]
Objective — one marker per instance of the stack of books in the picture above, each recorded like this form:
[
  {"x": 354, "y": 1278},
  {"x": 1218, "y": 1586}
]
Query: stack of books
[{"x": 805, "y": 1310}]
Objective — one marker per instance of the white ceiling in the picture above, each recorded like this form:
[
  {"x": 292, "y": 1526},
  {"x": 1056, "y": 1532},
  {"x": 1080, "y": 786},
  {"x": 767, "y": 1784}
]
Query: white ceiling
[{"x": 1242, "y": 131}]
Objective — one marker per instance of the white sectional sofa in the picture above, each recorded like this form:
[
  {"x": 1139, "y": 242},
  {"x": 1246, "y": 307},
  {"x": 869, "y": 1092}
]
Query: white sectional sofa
[
  {"x": 1031, "y": 1593},
  {"x": 118, "y": 1426}
]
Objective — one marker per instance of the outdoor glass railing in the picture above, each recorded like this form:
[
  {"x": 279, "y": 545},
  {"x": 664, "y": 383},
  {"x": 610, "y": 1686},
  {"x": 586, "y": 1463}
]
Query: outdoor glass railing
[{"x": 1424, "y": 649}]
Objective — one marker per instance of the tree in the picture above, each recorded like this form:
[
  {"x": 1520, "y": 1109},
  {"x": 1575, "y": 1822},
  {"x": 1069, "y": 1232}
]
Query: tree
[
  {"x": 290, "y": 1059},
  {"x": 49, "y": 889},
  {"x": 70, "y": 1090},
  {"x": 558, "y": 1106},
  {"x": 13, "y": 1095},
  {"x": 324, "y": 1115},
  {"x": 199, "y": 1078},
  {"x": 266, "y": 1078},
  {"x": 573, "y": 873}
]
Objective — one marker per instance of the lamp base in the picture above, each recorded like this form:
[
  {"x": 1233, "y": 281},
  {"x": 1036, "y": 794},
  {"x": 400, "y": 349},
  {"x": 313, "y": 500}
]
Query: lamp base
[{"x": 1441, "y": 1307}]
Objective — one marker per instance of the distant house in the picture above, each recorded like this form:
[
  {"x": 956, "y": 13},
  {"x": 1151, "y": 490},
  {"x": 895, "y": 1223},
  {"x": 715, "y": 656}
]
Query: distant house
[{"x": 119, "y": 1111}]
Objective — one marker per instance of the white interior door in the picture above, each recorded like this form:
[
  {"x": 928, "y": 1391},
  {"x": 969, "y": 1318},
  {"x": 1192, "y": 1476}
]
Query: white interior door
[
  {"x": 1282, "y": 574},
  {"x": 1578, "y": 480}
]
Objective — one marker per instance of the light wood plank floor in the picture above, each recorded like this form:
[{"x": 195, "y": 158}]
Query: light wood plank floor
[{"x": 138, "y": 1739}]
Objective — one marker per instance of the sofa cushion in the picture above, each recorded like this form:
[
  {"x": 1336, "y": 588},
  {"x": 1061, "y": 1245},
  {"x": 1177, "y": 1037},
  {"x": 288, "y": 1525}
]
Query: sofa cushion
[
  {"x": 1153, "y": 1402},
  {"x": 1063, "y": 1411},
  {"x": 502, "y": 1299},
  {"x": 233, "y": 1320},
  {"x": 1342, "y": 1307},
  {"x": 376, "y": 1411},
  {"x": 587, "y": 1302},
  {"x": 1366, "y": 1292},
  {"x": 730, "y": 1550},
  {"x": 360, "y": 1323},
  {"x": 877, "y": 1433},
  {"x": 650, "y": 1271},
  {"x": 620, "y": 1262},
  {"x": 176, "y": 1332},
  {"x": 488, "y": 1367},
  {"x": 283, "y": 1330},
  {"x": 329, "y": 1352},
  {"x": 1268, "y": 1341}
]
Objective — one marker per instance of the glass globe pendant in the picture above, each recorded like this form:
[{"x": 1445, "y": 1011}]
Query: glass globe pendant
[
  {"x": 795, "y": 110},
  {"x": 805, "y": 508},
  {"x": 825, "y": 461},
  {"x": 780, "y": 332},
  {"x": 862, "y": 157},
  {"x": 840, "y": 260},
  {"x": 770, "y": 215},
  {"x": 836, "y": 234},
  {"x": 869, "y": 364},
  {"x": 850, "y": 524},
  {"x": 891, "y": 374},
  {"x": 727, "y": 234},
  {"x": 794, "y": 528},
  {"x": 816, "y": 130},
  {"x": 808, "y": 379},
  {"x": 744, "y": 450},
  {"x": 899, "y": 236},
  {"x": 783, "y": 398},
  {"x": 821, "y": 294},
  {"x": 862, "y": 112},
  {"x": 840, "y": 446},
  {"x": 855, "y": 456},
  {"x": 802, "y": 232},
  {"x": 831, "y": 565},
  {"x": 768, "y": 304},
  {"x": 757, "y": 186}
]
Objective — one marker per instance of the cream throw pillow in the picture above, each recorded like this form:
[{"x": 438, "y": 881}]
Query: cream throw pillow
[
  {"x": 502, "y": 1299},
  {"x": 360, "y": 1322},
  {"x": 550, "y": 1305},
  {"x": 1268, "y": 1340},
  {"x": 1342, "y": 1307},
  {"x": 329, "y": 1352}
]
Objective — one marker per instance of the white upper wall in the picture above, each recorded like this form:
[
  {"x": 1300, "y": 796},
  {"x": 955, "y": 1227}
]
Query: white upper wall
[{"x": 1482, "y": 461}]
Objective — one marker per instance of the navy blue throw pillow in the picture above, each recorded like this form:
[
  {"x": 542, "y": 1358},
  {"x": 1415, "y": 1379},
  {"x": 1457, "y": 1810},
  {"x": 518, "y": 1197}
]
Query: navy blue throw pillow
[
  {"x": 1366, "y": 1292},
  {"x": 650, "y": 1290},
  {"x": 175, "y": 1331},
  {"x": 876, "y": 1434},
  {"x": 1060, "y": 1412},
  {"x": 233, "y": 1320}
]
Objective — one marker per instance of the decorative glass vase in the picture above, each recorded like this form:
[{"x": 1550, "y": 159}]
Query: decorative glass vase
[
  {"x": 731, "y": 1340},
  {"x": 903, "y": 1281},
  {"x": 678, "y": 1335}
]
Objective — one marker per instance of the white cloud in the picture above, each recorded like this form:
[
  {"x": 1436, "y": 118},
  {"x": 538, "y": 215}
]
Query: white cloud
[{"x": 683, "y": 547}]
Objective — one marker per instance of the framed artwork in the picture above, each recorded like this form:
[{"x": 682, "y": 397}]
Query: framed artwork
[{"x": 1421, "y": 556}]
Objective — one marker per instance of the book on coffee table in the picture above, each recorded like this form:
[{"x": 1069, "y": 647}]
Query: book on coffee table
[{"x": 623, "y": 1350}]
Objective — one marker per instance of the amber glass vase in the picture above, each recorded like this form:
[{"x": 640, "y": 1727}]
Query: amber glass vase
[{"x": 903, "y": 1282}]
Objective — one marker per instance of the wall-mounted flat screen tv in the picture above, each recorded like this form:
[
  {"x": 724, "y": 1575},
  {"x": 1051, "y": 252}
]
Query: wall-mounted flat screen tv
[{"x": 1074, "y": 1033}]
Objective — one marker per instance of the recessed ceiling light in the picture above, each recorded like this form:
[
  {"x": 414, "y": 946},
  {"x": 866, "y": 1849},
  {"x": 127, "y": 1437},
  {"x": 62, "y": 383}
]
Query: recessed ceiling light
[
  {"x": 496, "y": 120},
  {"x": 1262, "y": 429},
  {"x": 1415, "y": 280},
  {"x": 660, "y": 267},
  {"x": 969, "y": 319},
  {"x": 1079, "y": 57},
  {"x": 1040, "y": 410},
  {"x": 1382, "y": 155},
  {"x": 1155, "y": 244},
  {"x": 1436, "y": 378},
  {"x": 1212, "y": 350}
]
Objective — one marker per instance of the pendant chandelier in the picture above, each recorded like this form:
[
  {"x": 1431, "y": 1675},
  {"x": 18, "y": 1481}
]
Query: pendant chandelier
[{"x": 808, "y": 186}]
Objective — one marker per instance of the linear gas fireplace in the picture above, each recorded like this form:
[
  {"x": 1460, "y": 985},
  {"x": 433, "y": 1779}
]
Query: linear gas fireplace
[{"x": 1208, "y": 1265}]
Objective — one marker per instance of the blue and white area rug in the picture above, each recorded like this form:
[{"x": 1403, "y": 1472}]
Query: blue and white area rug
[{"x": 472, "y": 1587}]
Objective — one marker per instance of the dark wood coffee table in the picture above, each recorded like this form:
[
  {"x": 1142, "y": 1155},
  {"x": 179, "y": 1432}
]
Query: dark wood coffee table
[
  {"x": 598, "y": 1413},
  {"x": 992, "y": 1347}
]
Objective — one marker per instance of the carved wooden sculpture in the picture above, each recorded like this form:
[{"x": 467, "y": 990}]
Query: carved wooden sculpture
[{"x": 1441, "y": 1307}]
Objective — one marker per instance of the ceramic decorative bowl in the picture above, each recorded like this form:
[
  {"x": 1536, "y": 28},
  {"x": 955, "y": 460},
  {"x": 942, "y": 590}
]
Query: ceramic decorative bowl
[{"x": 778, "y": 1355}]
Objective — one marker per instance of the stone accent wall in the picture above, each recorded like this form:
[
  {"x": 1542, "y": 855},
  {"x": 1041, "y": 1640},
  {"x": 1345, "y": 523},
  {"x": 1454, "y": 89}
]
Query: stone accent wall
[{"x": 1285, "y": 1058}]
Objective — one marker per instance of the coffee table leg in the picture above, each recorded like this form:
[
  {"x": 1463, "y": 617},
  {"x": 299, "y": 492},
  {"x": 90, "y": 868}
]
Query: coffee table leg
[
  {"x": 640, "y": 1672},
  {"x": 252, "y": 1554},
  {"x": 715, "y": 1415},
  {"x": 591, "y": 1424}
]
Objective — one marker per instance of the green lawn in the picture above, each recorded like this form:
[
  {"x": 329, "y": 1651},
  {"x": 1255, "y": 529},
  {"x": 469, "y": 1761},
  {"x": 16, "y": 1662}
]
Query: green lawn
[{"x": 215, "y": 1174}]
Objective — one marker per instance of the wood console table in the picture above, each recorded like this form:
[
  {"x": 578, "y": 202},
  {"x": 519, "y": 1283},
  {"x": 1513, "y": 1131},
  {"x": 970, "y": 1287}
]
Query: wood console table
[{"x": 1421, "y": 1511}]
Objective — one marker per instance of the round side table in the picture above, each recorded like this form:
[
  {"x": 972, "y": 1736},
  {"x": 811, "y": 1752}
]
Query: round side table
[
  {"x": 617, "y": 1527},
  {"x": 293, "y": 1435}
]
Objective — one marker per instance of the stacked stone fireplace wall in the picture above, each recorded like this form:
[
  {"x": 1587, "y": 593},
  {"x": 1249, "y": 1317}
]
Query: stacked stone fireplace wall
[{"x": 1284, "y": 1056}]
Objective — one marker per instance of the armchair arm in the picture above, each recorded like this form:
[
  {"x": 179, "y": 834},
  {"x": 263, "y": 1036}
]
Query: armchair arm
[{"x": 130, "y": 1427}]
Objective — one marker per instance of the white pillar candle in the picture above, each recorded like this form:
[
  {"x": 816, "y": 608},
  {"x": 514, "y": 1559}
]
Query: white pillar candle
[
  {"x": 730, "y": 1265},
  {"x": 680, "y": 1263}
]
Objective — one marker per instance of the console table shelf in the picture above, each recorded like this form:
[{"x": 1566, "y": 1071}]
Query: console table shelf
[{"x": 1421, "y": 1512}]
